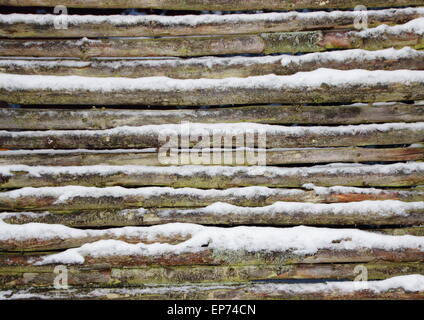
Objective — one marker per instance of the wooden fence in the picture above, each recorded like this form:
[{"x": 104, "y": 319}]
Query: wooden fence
[{"x": 295, "y": 139}]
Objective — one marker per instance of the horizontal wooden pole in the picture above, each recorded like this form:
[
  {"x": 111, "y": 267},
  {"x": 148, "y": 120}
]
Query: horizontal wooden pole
[
  {"x": 132, "y": 217},
  {"x": 88, "y": 206},
  {"x": 43, "y": 25},
  {"x": 189, "y": 46},
  {"x": 145, "y": 158},
  {"x": 224, "y": 258},
  {"x": 68, "y": 242},
  {"x": 396, "y": 175},
  {"x": 100, "y": 118},
  {"x": 203, "y": 136},
  {"x": 282, "y": 213},
  {"x": 199, "y": 292},
  {"x": 218, "y": 67},
  {"x": 233, "y": 5},
  {"x": 319, "y": 86},
  {"x": 83, "y": 277}
]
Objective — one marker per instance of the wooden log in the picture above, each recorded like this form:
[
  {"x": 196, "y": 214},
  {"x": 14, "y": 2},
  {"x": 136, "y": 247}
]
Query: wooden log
[
  {"x": 319, "y": 86},
  {"x": 83, "y": 277},
  {"x": 199, "y": 292},
  {"x": 70, "y": 198},
  {"x": 283, "y": 213},
  {"x": 10, "y": 261},
  {"x": 233, "y": 5},
  {"x": 43, "y": 25},
  {"x": 219, "y": 67},
  {"x": 212, "y": 141},
  {"x": 131, "y": 217},
  {"x": 106, "y": 118},
  {"x": 190, "y": 46},
  {"x": 66, "y": 243},
  {"x": 395, "y": 175},
  {"x": 139, "y": 157}
]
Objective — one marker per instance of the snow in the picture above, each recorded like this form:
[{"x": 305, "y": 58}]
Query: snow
[
  {"x": 413, "y": 26},
  {"x": 408, "y": 283},
  {"x": 197, "y": 129},
  {"x": 311, "y": 79},
  {"x": 341, "y": 189},
  {"x": 41, "y": 231},
  {"x": 198, "y": 20},
  {"x": 352, "y": 55},
  {"x": 211, "y": 171},
  {"x": 382, "y": 208},
  {"x": 299, "y": 240}
]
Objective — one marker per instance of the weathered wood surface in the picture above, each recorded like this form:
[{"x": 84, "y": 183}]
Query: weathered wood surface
[
  {"x": 103, "y": 276},
  {"x": 279, "y": 217},
  {"x": 397, "y": 175},
  {"x": 216, "y": 136},
  {"x": 233, "y": 5},
  {"x": 415, "y": 231},
  {"x": 211, "y": 94},
  {"x": 131, "y": 157},
  {"x": 66, "y": 243},
  {"x": 212, "y": 67},
  {"x": 189, "y": 46},
  {"x": 132, "y": 217},
  {"x": 66, "y": 200},
  {"x": 197, "y": 292},
  {"x": 209, "y": 257},
  {"x": 41, "y": 118},
  {"x": 43, "y": 25}
]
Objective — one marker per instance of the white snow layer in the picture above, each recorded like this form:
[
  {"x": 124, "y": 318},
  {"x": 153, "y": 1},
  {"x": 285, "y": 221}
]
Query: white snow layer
[
  {"x": 66, "y": 193},
  {"x": 300, "y": 80},
  {"x": 367, "y": 207},
  {"x": 197, "y": 129},
  {"x": 195, "y": 20},
  {"x": 408, "y": 283},
  {"x": 190, "y": 170}
]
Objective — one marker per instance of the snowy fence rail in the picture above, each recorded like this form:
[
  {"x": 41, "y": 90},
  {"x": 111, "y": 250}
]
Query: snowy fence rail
[
  {"x": 148, "y": 157},
  {"x": 319, "y": 86},
  {"x": 268, "y": 136},
  {"x": 42, "y": 26},
  {"x": 54, "y": 118},
  {"x": 395, "y": 175},
  {"x": 380, "y": 212},
  {"x": 232, "y": 5},
  {"x": 219, "y": 67},
  {"x": 82, "y": 149},
  {"x": 186, "y": 46}
]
